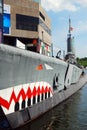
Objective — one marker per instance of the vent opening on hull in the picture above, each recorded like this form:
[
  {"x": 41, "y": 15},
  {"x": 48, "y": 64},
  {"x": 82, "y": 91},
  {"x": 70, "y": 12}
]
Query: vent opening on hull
[
  {"x": 42, "y": 97},
  {"x": 38, "y": 98},
  {"x": 48, "y": 94},
  {"x": 34, "y": 100},
  {"x": 29, "y": 102},
  {"x": 23, "y": 104},
  {"x": 16, "y": 106},
  {"x": 55, "y": 81}
]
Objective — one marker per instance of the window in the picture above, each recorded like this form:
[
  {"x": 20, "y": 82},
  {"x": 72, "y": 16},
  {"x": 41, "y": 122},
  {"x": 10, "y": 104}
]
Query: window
[
  {"x": 44, "y": 26},
  {"x": 24, "y": 22},
  {"x": 42, "y": 16}
]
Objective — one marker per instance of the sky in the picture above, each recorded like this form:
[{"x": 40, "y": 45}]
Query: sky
[{"x": 59, "y": 12}]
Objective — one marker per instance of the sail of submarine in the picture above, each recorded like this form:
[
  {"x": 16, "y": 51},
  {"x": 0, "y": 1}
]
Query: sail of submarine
[{"x": 70, "y": 43}]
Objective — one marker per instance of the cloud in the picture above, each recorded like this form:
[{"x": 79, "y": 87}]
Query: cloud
[
  {"x": 83, "y": 3},
  {"x": 81, "y": 27},
  {"x": 60, "y": 5}
]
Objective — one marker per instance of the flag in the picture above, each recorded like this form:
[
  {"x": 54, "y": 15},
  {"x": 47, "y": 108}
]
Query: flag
[{"x": 71, "y": 28}]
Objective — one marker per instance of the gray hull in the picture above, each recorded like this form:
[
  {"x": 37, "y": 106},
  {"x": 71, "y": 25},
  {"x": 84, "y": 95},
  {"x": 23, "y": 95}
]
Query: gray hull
[{"x": 31, "y": 84}]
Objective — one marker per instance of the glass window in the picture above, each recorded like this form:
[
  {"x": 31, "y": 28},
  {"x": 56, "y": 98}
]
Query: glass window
[
  {"x": 44, "y": 27},
  {"x": 24, "y": 22},
  {"x": 42, "y": 16}
]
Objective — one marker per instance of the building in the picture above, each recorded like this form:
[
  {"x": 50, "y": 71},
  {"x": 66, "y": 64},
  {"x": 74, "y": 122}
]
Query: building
[
  {"x": 26, "y": 23},
  {"x": 1, "y": 21}
]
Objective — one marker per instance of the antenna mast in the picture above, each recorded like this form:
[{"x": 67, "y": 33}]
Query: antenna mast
[{"x": 69, "y": 25}]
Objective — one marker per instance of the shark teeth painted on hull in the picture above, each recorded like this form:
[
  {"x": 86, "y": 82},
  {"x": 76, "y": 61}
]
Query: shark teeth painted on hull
[{"x": 10, "y": 96}]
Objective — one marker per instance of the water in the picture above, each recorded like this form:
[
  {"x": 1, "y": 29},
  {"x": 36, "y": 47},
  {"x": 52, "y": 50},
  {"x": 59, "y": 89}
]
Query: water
[{"x": 69, "y": 115}]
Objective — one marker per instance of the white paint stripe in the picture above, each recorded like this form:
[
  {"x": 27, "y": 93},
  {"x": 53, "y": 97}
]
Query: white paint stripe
[{"x": 48, "y": 67}]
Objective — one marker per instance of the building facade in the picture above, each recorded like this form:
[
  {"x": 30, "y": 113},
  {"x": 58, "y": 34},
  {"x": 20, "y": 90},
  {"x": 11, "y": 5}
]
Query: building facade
[
  {"x": 1, "y": 21},
  {"x": 26, "y": 22}
]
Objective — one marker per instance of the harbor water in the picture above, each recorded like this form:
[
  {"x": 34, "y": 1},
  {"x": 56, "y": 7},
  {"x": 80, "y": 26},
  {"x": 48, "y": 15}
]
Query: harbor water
[{"x": 69, "y": 115}]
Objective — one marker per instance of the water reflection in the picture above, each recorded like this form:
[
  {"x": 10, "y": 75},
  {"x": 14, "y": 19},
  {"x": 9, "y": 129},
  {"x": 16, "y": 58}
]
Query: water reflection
[{"x": 69, "y": 115}]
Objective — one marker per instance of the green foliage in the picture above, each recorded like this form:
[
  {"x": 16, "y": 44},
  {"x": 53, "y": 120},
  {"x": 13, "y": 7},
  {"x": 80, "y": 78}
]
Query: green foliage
[{"x": 82, "y": 61}]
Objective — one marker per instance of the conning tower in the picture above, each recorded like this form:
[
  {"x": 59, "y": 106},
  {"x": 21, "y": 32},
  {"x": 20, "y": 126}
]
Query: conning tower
[
  {"x": 70, "y": 45},
  {"x": 70, "y": 40}
]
